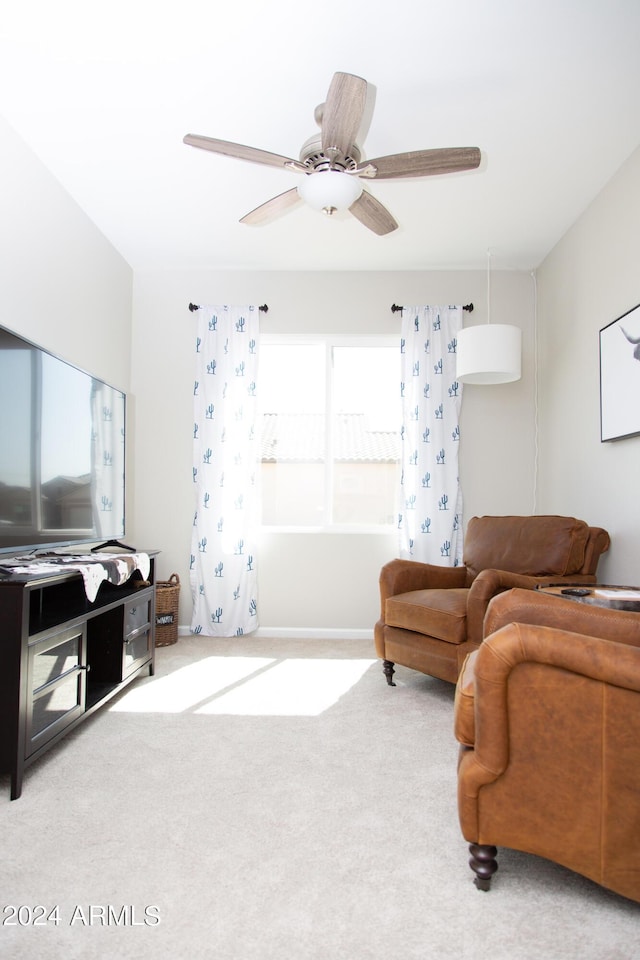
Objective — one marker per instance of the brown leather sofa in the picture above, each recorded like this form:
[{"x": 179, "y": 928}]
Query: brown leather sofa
[
  {"x": 548, "y": 720},
  {"x": 431, "y": 616}
]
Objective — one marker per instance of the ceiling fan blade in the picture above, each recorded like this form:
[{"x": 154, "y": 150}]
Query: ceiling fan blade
[
  {"x": 273, "y": 208},
  {"x": 372, "y": 214},
  {"x": 342, "y": 113},
  {"x": 422, "y": 163},
  {"x": 240, "y": 152}
]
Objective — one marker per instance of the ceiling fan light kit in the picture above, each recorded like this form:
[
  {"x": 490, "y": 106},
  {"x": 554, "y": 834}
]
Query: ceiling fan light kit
[
  {"x": 330, "y": 191},
  {"x": 331, "y": 162}
]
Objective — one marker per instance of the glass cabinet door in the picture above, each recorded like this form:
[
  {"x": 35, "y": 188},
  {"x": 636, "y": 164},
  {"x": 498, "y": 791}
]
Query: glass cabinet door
[
  {"x": 137, "y": 635},
  {"x": 57, "y": 683},
  {"x": 137, "y": 650},
  {"x": 136, "y": 615}
]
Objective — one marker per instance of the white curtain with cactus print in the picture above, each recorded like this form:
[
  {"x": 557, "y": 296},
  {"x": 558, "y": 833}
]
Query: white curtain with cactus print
[
  {"x": 225, "y": 472},
  {"x": 107, "y": 467},
  {"x": 430, "y": 509}
]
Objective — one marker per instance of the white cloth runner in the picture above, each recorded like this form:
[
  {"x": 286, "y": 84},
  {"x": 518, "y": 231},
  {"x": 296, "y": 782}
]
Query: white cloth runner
[{"x": 116, "y": 568}]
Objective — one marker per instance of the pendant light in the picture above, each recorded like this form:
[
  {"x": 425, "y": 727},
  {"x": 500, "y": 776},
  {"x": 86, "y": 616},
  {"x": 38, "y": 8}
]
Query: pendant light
[{"x": 491, "y": 352}]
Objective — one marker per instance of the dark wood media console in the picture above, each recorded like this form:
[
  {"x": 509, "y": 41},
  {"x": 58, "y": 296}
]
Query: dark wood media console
[{"x": 62, "y": 656}]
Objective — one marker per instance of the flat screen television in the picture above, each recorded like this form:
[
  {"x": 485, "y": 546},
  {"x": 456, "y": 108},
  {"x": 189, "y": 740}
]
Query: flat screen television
[{"x": 62, "y": 452}]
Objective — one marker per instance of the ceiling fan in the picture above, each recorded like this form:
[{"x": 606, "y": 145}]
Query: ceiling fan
[{"x": 332, "y": 165}]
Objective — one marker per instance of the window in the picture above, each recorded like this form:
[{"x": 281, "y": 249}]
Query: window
[{"x": 330, "y": 431}]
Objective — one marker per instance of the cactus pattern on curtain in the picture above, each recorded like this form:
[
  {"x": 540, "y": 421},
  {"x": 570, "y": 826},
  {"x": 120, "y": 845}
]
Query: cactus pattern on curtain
[
  {"x": 430, "y": 509},
  {"x": 107, "y": 457},
  {"x": 225, "y": 473}
]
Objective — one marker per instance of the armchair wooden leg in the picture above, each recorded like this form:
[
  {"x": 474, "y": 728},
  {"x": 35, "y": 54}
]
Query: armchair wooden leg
[
  {"x": 387, "y": 668},
  {"x": 483, "y": 863}
]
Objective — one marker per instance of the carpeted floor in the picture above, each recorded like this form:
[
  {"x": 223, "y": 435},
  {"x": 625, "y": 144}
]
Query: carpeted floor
[{"x": 275, "y": 800}]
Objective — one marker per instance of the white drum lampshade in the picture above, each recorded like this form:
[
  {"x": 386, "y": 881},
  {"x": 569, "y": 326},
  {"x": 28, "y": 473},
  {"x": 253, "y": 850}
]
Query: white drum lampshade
[{"x": 489, "y": 353}]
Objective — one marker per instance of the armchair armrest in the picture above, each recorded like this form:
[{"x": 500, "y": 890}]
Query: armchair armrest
[
  {"x": 522, "y": 643},
  {"x": 526, "y": 606},
  {"x": 487, "y": 585},
  {"x": 529, "y": 648},
  {"x": 403, "y": 576},
  {"x": 490, "y": 583},
  {"x": 597, "y": 544}
]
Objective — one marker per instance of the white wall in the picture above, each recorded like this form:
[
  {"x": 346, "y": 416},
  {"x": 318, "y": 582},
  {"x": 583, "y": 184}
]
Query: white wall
[
  {"x": 315, "y": 581},
  {"x": 589, "y": 279},
  {"x": 62, "y": 284}
]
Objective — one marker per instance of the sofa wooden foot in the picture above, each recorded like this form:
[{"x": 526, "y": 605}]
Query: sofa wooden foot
[
  {"x": 483, "y": 863},
  {"x": 387, "y": 667}
]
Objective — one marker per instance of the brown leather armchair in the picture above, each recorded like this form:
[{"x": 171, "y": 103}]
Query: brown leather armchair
[
  {"x": 431, "y": 616},
  {"x": 549, "y": 726}
]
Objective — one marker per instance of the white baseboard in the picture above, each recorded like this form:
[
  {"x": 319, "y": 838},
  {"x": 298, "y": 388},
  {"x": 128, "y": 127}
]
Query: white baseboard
[
  {"x": 314, "y": 633},
  {"x": 302, "y": 633}
]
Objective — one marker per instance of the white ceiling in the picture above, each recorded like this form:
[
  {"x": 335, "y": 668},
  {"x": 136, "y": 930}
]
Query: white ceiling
[{"x": 548, "y": 89}]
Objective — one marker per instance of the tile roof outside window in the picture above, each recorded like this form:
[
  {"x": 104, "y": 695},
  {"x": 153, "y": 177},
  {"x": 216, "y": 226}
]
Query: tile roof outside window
[{"x": 291, "y": 437}]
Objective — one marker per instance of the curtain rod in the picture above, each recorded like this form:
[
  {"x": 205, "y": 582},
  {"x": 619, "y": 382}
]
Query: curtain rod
[
  {"x": 194, "y": 306},
  {"x": 395, "y": 308}
]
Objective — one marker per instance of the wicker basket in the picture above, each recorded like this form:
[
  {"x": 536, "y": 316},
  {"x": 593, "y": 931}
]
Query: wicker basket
[{"x": 167, "y": 602}]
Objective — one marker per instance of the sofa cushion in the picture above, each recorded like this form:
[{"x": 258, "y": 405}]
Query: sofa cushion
[
  {"x": 434, "y": 613},
  {"x": 537, "y": 546}
]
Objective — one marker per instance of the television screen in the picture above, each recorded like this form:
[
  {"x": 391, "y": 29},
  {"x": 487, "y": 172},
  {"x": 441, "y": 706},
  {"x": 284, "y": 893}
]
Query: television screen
[{"x": 62, "y": 451}]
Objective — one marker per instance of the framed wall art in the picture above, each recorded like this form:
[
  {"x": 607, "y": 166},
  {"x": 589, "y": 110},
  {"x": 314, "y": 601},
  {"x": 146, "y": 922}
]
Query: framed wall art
[{"x": 620, "y": 377}]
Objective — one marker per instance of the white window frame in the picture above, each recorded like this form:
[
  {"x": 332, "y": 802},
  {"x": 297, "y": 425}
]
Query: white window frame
[{"x": 329, "y": 341}]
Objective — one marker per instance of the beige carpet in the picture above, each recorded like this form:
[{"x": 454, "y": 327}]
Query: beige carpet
[{"x": 275, "y": 800}]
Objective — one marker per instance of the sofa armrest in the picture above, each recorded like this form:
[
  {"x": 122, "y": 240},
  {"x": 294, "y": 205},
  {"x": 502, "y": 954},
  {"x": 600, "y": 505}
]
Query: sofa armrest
[
  {"x": 526, "y": 606},
  {"x": 403, "y": 576}
]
